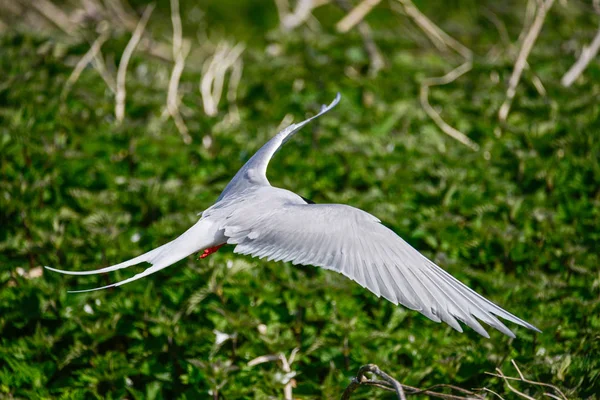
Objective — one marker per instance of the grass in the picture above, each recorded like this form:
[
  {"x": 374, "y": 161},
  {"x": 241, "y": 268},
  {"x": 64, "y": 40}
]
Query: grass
[{"x": 517, "y": 221}]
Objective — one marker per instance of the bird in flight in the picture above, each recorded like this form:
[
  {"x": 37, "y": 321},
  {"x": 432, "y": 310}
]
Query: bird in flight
[{"x": 265, "y": 221}]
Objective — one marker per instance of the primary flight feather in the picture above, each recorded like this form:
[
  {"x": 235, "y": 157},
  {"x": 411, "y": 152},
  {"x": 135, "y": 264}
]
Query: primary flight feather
[{"x": 265, "y": 221}]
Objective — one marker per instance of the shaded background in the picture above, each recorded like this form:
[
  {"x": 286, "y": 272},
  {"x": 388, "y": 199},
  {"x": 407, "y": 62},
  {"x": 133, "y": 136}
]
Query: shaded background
[{"x": 517, "y": 220}]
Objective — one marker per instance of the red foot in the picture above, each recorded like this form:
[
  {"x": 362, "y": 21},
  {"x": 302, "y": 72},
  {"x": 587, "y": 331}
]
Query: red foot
[{"x": 211, "y": 250}]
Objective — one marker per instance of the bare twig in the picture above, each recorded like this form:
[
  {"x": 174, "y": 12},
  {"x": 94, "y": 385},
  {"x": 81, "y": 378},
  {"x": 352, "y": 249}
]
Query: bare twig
[
  {"x": 510, "y": 387},
  {"x": 492, "y": 392},
  {"x": 177, "y": 29},
  {"x": 234, "y": 82},
  {"x": 443, "y": 42},
  {"x": 429, "y": 391},
  {"x": 103, "y": 71},
  {"x": 286, "y": 364},
  {"x": 120, "y": 13},
  {"x": 55, "y": 14},
  {"x": 587, "y": 55},
  {"x": 438, "y": 37},
  {"x": 434, "y": 115},
  {"x": 213, "y": 76},
  {"x": 528, "y": 42},
  {"x": 356, "y": 15},
  {"x": 376, "y": 60},
  {"x": 283, "y": 8},
  {"x": 512, "y": 50},
  {"x": 180, "y": 52},
  {"x": 172, "y": 96},
  {"x": 521, "y": 378},
  {"x": 263, "y": 359},
  {"x": 299, "y": 15},
  {"x": 302, "y": 12},
  {"x": 402, "y": 390},
  {"x": 122, "y": 71},
  {"x": 374, "y": 369},
  {"x": 111, "y": 11},
  {"x": 87, "y": 58},
  {"x": 530, "y": 11},
  {"x": 123, "y": 13},
  {"x": 500, "y": 26}
]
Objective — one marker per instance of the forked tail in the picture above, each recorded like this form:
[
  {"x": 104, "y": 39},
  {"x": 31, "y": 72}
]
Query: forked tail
[{"x": 201, "y": 235}]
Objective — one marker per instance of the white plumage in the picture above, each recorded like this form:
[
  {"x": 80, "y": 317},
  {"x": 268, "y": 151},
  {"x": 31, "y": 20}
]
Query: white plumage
[{"x": 268, "y": 222}]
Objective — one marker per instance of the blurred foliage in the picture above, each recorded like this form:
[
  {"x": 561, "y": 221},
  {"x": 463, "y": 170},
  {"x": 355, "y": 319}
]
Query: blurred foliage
[{"x": 517, "y": 221}]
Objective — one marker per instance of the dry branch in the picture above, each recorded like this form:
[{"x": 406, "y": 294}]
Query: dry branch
[
  {"x": 224, "y": 59},
  {"x": 402, "y": 390},
  {"x": 376, "y": 62},
  {"x": 512, "y": 50},
  {"x": 100, "y": 66},
  {"x": 587, "y": 55},
  {"x": 434, "y": 115},
  {"x": 444, "y": 42},
  {"x": 177, "y": 29},
  {"x": 286, "y": 364},
  {"x": 122, "y": 71},
  {"x": 301, "y": 14},
  {"x": 387, "y": 383},
  {"x": 510, "y": 387},
  {"x": 173, "y": 97},
  {"x": 123, "y": 14},
  {"x": 438, "y": 37},
  {"x": 500, "y": 26},
  {"x": 55, "y": 15},
  {"x": 234, "y": 82},
  {"x": 356, "y": 15},
  {"x": 492, "y": 392},
  {"x": 119, "y": 13},
  {"x": 181, "y": 50},
  {"x": 528, "y": 42},
  {"x": 113, "y": 12},
  {"x": 499, "y": 374},
  {"x": 283, "y": 9},
  {"x": 87, "y": 58}
]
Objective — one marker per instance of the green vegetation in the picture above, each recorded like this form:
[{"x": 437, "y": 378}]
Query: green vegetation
[{"x": 517, "y": 221}]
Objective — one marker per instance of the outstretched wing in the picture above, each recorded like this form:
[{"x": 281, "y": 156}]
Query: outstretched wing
[
  {"x": 255, "y": 170},
  {"x": 352, "y": 242}
]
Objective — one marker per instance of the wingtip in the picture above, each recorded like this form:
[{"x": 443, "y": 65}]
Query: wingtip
[
  {"x": 65, "y": 272},
  {"x": 60, "y": 271},
  {"x": 336, "y": 100},
  {"x": 82, "y": 291},
  {"x": 93, "y": 289},
  {"x": 76, "y": 291},
  {"x": 483, "y": 333},
  {"x": 533, "y": 328}
]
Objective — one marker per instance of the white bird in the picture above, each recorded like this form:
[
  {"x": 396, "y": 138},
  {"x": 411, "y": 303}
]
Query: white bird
[{"x": 265, "y": 221}]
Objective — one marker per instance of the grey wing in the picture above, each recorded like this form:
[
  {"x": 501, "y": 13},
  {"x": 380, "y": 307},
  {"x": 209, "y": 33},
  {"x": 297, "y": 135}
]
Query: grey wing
[
  {"x": 352, "y": 242},
  {"x": 254, "y": 172}
]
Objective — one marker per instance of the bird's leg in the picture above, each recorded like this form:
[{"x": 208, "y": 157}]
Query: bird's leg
[{"x": 211, "y": 250}]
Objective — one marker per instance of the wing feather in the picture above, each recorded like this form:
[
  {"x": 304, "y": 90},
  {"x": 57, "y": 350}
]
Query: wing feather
[
  {"x": 354, "y": 243},
  {"x": 254, "y": 172}
]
